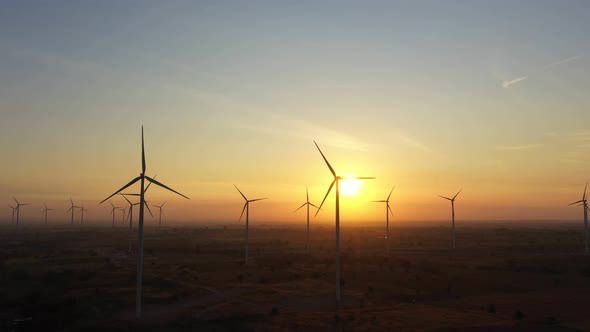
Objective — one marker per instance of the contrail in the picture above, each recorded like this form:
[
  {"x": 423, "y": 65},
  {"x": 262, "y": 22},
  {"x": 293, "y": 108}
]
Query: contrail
[{"x": 506, "y": 84}]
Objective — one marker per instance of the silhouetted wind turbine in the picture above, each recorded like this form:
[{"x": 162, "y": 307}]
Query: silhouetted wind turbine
[
  {"x": 113, "y": 212},
  {"x": 160, "y": 207},
  {"x": 584, "y": 202},
  {"x": 452, "y": 200},
  {"x": 18, "y": 205},
  {"x": 130, "y": 214},
  {"x": 71, "y": 209},
  {"x": 45, "y": 212},
  {"x": 337, "y": 182},
  {"x": 387, "y": 212},
  {"x": 13, "y": 212},
  {"x": 141, "y": 178},
  {"x": 308, "y": 204},
  {"x": 82, "y": 209},
  {"x": 247, "y": 209}
]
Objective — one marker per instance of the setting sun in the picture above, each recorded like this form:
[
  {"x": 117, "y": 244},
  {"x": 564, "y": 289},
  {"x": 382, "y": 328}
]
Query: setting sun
[{"x": 350, "y": 187}]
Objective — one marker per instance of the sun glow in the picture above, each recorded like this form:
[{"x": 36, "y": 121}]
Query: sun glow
[{"x": 350, "y": 187}]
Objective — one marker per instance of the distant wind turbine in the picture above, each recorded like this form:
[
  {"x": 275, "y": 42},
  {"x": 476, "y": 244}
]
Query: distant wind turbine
[
  {"x": 82, "y": 210},
  {"x": 13, "y": 213},
  {"x": 452, "y": 200},
  {"x": 114, "y": 208},
  {"x": 141, "y": 178},
  {"x": 387, "y": 212},
  {"x": 72, "y": 209},
  {"x": 308, "y": 204},
  {"x": 160, "y": 207},
  {"x": 45, "y": 212},
  {"x": 247, "y": 209},
  {"x": 130, "y": 214},
  {"x": 584, "y": 202},
  {"x": 337, "y": 182},
  {"x": 18, "y": 205}
]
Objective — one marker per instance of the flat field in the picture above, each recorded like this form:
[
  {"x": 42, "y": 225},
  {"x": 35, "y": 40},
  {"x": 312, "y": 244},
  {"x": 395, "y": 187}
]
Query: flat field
[{"x": 507, "y": 277}]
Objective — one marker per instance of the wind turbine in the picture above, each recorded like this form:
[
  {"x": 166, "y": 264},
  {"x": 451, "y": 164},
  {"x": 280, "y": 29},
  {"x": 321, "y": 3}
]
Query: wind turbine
[
  {"x": 308, "y": 204},
  {"x": 45, "y": 212},
  {"x": 130, "y": 214},
  {"x": 584, "y": 202},
  {"x": 82, "y": 209},
  {"x": 141, "y": 178},
  {"x": 13, "y": 212},
  {"x": 113, "y": 212},
  {"x": 72, "y": 208},
  {"x": 160, "y": 207},
  {"x": 387, "y": 212},
  {"x": 18, "y": 205},
  {"x": 247, "y": 209},
  {"x": 452, "y": 200},
  {"x": 337, "y": 182}
]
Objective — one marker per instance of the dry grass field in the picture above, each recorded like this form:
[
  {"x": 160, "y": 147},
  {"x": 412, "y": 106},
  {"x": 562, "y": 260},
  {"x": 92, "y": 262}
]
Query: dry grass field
[{"x": 513, "y": 277}]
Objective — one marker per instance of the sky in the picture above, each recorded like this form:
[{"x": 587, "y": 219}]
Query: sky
[{"x": 430, "y": 96}]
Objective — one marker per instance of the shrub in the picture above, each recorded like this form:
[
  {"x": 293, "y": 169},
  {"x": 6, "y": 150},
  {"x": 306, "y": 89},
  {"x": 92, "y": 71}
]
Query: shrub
[{"x": 519, "y": 315}]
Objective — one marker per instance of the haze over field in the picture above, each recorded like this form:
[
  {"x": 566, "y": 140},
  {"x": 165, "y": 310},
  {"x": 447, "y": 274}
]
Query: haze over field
[{"x": 431, "y": 96}]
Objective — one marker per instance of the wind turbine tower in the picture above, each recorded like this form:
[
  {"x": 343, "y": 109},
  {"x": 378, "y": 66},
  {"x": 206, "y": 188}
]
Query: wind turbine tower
[
  {"x": 308, "y": 204},
  {"x": 336, "y": 182},
  {"x": 141, "y": 178},
  {"x": 584, "y": 202},
  {"x": 387, "y": 212},
  {"x": 247, "y": 209},
  {"x": 452, "y": 200}
]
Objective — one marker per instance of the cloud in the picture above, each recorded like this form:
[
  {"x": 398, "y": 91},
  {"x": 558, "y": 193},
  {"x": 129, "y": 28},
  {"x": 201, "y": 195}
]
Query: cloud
[
  {"x": 506, "y": 84},
  {"x": 518, "y": 147},
  {"x": 563, "y": 61}
]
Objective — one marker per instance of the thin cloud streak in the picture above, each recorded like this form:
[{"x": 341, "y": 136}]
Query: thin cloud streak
[
  {"x": 518, "y": 147},
  {"x": 507, "y": 83}
]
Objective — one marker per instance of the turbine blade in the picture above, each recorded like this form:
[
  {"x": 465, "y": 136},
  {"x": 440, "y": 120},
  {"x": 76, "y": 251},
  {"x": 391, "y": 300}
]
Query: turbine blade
[
  {"x": 457, "y": 194},
  {"x": 314, "y": 205},
  {"x": 161, "y": 206},
  {"x": 297, "y": 209},
  {"x": 243, "y": 209},
  {"x": 379, "y": 201},
  {"x": 257, "y": 199},
  {"x": 444, "y": 197},
  {"x": 580, "y": 201},
  {"x": 326, "y": 160},
  {"x": 111, "y": 204},
  {"x": 390, "y": 210},
  {"x": 390, "y": 193},
  {"x": 328, "y": 193},
  {"x": 142, "y": 153},
  {"x": 123, "y": 188},
  {"x": 241, "y": 192},
  {"x": 307, "y": 193},
  {"x": 148, "y": 186},
  {"x": 17, "y": 203},
  {"x": 585, "y": 187},
  {"x": 164, "y": 186},
  {"x": 128, "y": 201},
  {"x": 364, "y": 178},
  {"x": 148, "y": 208}
]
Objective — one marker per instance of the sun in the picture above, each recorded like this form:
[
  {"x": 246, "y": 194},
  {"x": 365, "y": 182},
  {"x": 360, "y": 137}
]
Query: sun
[{"x": 350, "y": 187}]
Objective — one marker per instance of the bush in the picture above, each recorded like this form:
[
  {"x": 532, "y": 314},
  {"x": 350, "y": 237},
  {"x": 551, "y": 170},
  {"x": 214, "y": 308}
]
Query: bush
[{"x": 519, "y": 315}]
